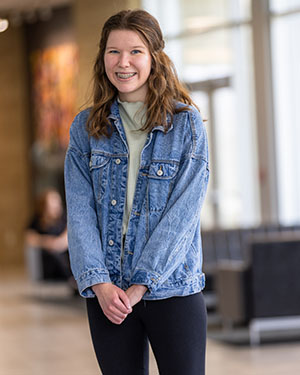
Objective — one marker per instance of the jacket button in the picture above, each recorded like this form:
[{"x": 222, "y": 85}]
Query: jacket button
[
  {"x": 159, "y": 172},
  {"x": 110, "y": 242},
  {"x": 113, "y": 202},
  {"x": 118, "y": 161}
]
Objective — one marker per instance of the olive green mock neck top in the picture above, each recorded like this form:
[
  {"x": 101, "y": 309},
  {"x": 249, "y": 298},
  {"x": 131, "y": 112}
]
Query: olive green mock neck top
[{"x": 133, "y": 119}]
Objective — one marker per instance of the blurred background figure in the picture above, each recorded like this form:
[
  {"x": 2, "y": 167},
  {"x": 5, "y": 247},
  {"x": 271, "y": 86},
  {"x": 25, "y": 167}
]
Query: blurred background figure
[{"x": 46, "y": 240}]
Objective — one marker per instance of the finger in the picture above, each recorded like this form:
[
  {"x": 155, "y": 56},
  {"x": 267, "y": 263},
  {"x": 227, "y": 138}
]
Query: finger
[
  {"x": 125, "y": 300},
  {"x": 114, "y": 318},
  {"x": 117, "y": 301},
  {"x": 112, "y": 310},
  {"x": 121, "y": 307},
  {"x": 117, "y": 321}
]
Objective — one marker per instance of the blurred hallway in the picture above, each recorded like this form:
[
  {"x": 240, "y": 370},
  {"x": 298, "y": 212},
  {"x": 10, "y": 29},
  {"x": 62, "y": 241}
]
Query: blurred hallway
[
  {"x": 44, "y": 331},
  {"x": 240, "y": 61}
]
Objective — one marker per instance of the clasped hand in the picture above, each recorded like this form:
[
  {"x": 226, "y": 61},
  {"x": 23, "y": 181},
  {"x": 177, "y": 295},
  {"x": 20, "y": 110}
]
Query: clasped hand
[{"x": 115, "y": 303}]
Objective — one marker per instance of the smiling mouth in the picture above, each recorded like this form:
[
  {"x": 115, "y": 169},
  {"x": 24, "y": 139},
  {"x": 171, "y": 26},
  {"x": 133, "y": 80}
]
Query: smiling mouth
[{"x": 125, "y": 75}]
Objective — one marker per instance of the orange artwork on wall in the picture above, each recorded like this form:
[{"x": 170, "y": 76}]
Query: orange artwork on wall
[{"x": 54, "y": 72}]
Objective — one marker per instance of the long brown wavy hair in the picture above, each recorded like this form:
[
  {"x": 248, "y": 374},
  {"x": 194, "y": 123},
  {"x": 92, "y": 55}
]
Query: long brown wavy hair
[{"x": 164, "y": 88}]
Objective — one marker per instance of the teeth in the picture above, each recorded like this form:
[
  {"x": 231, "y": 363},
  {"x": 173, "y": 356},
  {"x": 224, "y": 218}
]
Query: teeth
[{"x": 125, "y": 75}]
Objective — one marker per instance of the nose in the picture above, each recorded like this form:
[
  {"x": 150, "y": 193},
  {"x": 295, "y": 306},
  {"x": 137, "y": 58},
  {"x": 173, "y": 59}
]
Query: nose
[{"x": 124, "y": 60}]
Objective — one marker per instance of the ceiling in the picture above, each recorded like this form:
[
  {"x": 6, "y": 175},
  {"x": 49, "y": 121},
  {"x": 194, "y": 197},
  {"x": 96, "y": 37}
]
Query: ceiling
[
  {"x": 10, "y": 6},
  {"x": 19, "y": 12}
]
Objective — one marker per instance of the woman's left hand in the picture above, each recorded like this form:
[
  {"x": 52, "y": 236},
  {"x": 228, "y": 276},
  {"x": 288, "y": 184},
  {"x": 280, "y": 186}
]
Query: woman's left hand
[{"x": 135, "y": 293}]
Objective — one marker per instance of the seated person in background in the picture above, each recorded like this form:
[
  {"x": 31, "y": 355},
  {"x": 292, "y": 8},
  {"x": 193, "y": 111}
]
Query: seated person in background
[{"x": 48, "y": 232}]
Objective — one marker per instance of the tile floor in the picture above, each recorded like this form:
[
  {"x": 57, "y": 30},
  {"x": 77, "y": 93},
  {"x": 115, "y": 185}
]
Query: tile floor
[{"x": 43, "y": 331}]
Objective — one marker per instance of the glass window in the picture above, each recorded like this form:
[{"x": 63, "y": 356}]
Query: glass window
[
  {"x": 167, "y": 12},
  {"x": 286, "y": 78},
  {"x": 217, "y": 63},
  {"x": 180, "y": 15},
  {"x": 206, "y": 56},
  {"x": 220, "y": 53},
  {"x": 284, "y": 5},
  {"x": 209, "y": 13},
  {"x": 236, "y": 192},
  {"x": 233, "y": 197}
]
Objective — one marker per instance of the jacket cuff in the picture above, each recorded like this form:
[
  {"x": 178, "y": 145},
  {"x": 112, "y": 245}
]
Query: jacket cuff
[
  {"x": 90, "y": 278},
  {"x": 150, "y": 279}
]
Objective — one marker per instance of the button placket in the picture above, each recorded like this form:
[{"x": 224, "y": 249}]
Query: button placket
[{"x": 113, "y": 203}]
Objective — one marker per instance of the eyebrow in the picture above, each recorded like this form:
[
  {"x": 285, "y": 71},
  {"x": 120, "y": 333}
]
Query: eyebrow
[{"x": 109, "y": 47}]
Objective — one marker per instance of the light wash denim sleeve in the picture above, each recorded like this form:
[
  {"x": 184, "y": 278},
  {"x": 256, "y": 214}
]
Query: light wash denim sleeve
[
  {"x": 172, "y": 237},
  {"x": 85, "y": 247}
]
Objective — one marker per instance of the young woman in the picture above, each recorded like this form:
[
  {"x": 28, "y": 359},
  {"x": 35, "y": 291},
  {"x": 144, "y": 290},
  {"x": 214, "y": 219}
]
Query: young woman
[{"x": 136, "y": 173}]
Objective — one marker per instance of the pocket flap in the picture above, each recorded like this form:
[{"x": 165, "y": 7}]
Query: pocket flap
[
  {"x": 98, "y": 161},
  {"x": 162, "y": 170}
]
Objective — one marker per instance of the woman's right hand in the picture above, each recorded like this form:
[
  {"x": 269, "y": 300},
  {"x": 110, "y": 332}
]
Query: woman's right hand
[{"x": 114, "y": 302}]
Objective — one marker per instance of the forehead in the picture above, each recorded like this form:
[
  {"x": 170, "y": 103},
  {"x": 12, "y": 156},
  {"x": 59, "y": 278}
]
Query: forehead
[{"x": 124, "y": 38}]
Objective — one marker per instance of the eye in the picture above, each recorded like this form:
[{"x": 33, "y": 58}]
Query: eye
[
  {"x": 112, "y": 51},
  {"x": 135, "y": 51}
]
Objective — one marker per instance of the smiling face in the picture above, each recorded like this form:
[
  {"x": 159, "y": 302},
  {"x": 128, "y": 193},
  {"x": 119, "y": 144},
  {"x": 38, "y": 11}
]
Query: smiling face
[{"x": 127, "y": 63}]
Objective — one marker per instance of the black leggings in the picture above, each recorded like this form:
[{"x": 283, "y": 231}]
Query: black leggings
[{"x": 175, "y": 327}]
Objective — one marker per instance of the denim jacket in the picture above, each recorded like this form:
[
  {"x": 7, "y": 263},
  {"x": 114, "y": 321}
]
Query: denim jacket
[{"x": 162, "y": 249}]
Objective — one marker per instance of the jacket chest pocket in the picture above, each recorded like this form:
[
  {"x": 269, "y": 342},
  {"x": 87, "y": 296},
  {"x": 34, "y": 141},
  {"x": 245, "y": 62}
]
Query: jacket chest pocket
[
  {"x": 161, "y": 178},
  {"x": 99, "y": 166}
]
